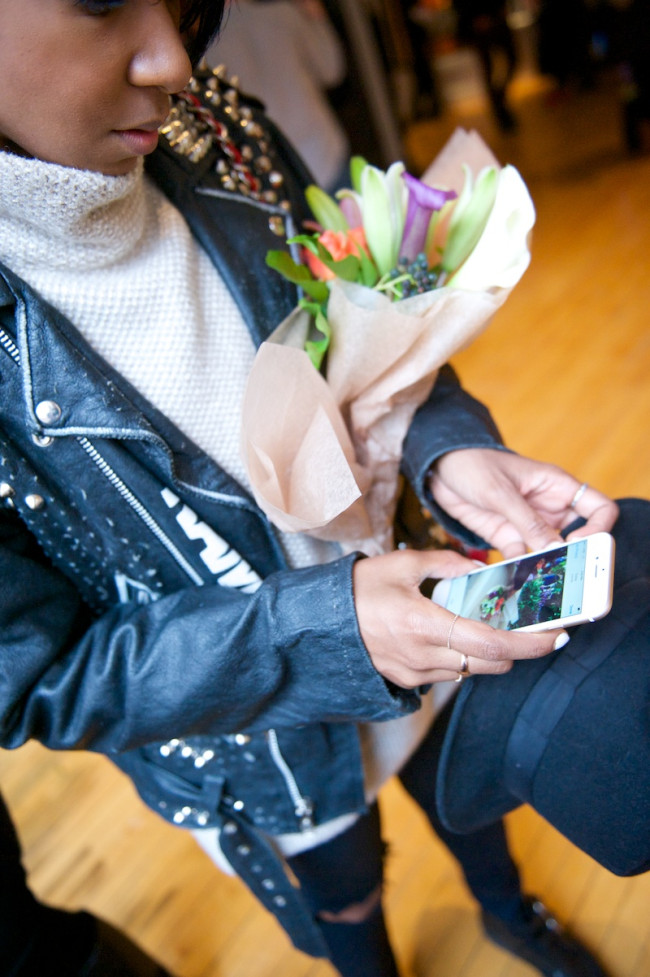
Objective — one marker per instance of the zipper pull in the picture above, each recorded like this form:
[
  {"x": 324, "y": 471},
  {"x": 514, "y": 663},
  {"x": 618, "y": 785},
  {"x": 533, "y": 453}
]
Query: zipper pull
[{"x": 304, "y": 812}]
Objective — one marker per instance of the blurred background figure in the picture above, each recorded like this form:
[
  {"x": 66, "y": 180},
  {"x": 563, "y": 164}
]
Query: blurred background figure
[
  {"x": 288, "y": 54},
  {"x": 427, "y": 99},
  {"x": 634, "y": 57},
  {"x": 484, "y": 25},
  {"x": 564, "y": 28}
]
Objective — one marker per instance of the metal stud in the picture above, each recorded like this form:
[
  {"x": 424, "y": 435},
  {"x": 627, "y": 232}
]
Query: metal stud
[
  {"x": 48, "y": 412},
  {"x": 34, "y": 502},
  {"x": 241, "y": 739},
  {"x": 42, "y": 440},
  {"x": 6, "y": 491},
  {"x": 276, "y": 224}
]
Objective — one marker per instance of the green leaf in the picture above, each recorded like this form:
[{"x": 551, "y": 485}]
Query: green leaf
[
  {"x": 369, "y": 273},
  {"x": 317, "y": 348},
  {"x": 347, "y": 268},
  {"x": 325, "y": 209},
  {"x": 300, "y": 275},
  {"x": 282, "y": 262},
  {"x": 316, "y": 289},
  {"x": 309, "y": 241}
]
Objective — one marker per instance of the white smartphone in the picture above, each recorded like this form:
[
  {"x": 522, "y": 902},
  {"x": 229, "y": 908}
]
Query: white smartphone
[{"x": 554, "y": 588}]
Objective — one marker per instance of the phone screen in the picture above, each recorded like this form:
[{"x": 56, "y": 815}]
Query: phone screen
[{"x": 531, "y": 590}]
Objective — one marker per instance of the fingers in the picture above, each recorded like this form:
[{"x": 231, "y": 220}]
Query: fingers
[
  {"x": 488, "y": 646},
  {"x": 411, "y": 567},
  {"x": 412, "y": 641},
  {"x": 526, "y": 527},
  {"x": 476, "y": 649},
  {"x": 599, "y": 511},
  {"x": 517, "y": 503}
]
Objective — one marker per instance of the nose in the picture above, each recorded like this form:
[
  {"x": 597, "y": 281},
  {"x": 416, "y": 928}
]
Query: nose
[{"x": 160, "y": 59}]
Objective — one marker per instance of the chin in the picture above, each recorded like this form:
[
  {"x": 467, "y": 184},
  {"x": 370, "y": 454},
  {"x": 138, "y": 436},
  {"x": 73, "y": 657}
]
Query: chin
[{"x": 119, "y": 169}]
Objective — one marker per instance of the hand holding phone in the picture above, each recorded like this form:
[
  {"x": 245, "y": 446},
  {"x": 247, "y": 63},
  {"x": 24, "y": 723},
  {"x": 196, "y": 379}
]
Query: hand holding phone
[{"x": 553, "y": 588}]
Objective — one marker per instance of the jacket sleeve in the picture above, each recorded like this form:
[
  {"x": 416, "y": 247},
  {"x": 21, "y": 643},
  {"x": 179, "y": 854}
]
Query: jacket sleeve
[
  {"x": 203, "y": 660},
  {"x": 451, "y": 419}
]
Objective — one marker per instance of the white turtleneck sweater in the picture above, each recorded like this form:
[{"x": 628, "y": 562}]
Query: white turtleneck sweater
[{"x": 117, "y": 258}]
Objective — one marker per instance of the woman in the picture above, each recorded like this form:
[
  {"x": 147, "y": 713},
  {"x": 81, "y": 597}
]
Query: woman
[{"x": 149, "y": 611}]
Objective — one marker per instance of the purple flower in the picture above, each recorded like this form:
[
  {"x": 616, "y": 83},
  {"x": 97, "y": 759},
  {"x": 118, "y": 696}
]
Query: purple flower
[{"x": 423, "y": 202}]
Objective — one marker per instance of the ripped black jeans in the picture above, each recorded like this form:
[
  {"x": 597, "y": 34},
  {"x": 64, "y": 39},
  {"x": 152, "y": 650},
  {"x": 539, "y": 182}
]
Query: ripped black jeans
[{"x": 345, "y": 871}]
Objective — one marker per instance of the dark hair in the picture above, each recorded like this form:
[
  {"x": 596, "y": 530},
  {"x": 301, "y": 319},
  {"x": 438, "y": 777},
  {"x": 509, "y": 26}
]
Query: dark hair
[{"x": 200, "y": 21}]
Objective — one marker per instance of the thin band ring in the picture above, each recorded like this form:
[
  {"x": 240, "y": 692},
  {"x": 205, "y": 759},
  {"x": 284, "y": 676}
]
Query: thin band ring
[
  {"x": 580, "y": 492},
  {"x": 451, "y": 628}
]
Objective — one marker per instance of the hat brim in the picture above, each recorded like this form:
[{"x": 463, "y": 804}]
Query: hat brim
[{"x": 568, "y": 734}]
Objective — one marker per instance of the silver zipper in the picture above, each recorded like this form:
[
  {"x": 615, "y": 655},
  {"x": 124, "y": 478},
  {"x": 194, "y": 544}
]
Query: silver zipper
[
  {"x": 303, "y": 806},
  {"x": 9, "y": 345},
  {"x": 139, "y": 510}
]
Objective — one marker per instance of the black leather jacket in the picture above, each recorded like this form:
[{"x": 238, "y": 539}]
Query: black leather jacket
[{"x": 146, "y": 610}]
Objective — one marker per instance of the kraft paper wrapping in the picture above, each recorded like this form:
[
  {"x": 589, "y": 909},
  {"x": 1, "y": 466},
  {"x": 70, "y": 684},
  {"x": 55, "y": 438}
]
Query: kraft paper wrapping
[{"x": 323, "y": 456}]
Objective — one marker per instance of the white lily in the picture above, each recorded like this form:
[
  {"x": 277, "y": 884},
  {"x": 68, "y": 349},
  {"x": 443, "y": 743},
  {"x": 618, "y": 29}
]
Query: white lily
[
  {"x": 382, "y": 199},
  {"x": 469, "y": 216},
  {"x": 502, "y": 253}
]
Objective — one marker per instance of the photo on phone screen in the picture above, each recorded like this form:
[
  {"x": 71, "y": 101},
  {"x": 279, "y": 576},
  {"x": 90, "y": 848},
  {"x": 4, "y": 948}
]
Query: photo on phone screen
[{"x": 568, "y": 583}]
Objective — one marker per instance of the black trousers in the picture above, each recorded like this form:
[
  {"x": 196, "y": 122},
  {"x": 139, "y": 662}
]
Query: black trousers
[
  {"x": 345, "y": 870},
  {"x": 35, "y": 940}
]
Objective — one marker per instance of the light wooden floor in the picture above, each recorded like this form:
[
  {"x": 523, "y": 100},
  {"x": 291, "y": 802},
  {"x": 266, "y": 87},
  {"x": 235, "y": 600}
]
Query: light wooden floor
[{"x": 566, "y": 368}]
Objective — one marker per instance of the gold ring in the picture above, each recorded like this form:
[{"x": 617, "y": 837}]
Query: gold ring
[
  {"x": 463, "y": 671},
  {"x": 576, "y": 498}
]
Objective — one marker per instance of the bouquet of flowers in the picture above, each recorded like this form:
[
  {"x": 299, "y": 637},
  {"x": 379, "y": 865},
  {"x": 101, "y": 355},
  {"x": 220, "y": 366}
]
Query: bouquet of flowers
[{"x": 397, "y": 274}]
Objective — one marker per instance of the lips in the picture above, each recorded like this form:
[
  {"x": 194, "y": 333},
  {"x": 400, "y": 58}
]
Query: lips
[
  {"x": 152, "y": 126},
  {"x": 140, "y": 141}
]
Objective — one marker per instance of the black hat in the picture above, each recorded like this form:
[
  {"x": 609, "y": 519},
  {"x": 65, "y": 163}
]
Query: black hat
[{"x": 569, "y": 733}]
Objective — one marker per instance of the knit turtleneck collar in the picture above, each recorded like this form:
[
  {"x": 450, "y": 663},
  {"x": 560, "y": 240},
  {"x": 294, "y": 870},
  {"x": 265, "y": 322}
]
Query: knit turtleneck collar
[{"x": 67, "y": 218}]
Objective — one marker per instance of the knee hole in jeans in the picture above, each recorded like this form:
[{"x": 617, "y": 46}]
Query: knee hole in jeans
[{"x": 357, "y": 912}]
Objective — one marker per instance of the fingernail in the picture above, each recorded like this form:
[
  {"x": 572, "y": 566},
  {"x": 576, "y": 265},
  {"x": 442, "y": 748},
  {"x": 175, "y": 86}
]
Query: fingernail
[{"x": 561, "y": 640}]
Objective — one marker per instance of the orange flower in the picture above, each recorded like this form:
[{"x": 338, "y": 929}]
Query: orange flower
[{"x": 340, "y": 244}]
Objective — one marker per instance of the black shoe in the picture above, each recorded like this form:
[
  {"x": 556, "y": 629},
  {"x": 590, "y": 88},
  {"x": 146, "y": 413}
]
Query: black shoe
[{"x": 539, "y": 939}]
